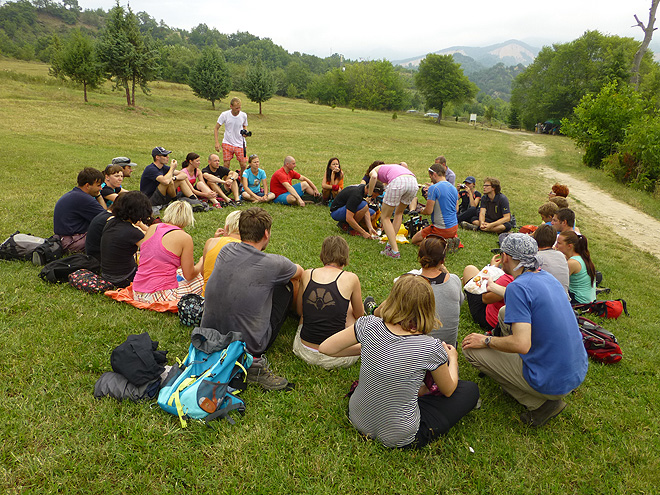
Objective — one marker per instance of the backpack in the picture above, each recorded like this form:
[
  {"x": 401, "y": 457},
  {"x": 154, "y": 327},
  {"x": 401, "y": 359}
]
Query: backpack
[
  {"x": 191, "y": 309},
  {"x": 22, "y": 247},
  {"x": 58, "y": 271},
  {"x": 206, "y": 383},
  {"x": 88, "y": 281},
  {"x": 605, "y": 309},
  {"x": 600, "y": 344}
]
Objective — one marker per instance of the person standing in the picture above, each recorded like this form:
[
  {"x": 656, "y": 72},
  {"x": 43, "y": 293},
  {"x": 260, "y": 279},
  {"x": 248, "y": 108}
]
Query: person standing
[{"x": 233, "y": 142}]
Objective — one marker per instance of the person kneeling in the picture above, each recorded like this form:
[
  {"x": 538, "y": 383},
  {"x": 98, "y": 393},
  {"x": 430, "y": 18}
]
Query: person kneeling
[
  {"x": 396, "y": 353},
  {"x": 329, "y": 300}
]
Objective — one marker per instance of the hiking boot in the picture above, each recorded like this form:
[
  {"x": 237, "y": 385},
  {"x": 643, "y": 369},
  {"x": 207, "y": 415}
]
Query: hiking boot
[
  {"x": 548, "y": 410},
  {"x": 370, "y": 305},
  {"x": 469, "y": 226},
  {"x": 261, "y": 374}
]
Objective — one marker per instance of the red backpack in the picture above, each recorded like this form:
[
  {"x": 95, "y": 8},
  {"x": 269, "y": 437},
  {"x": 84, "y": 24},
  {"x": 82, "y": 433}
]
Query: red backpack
[
  {"x": 606, "y": 309},
  {"x": 600, "y": 344}
]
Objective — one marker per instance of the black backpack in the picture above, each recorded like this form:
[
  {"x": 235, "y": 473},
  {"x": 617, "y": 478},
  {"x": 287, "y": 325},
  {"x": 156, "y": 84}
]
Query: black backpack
[
  {"x": 24, "y": 246},
  {"x": 58, "y": 271}
]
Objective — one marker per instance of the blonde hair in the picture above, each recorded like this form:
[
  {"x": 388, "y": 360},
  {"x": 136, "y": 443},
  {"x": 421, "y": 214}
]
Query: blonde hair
[
  {"x": 411, "y": 304},
  {"x": 179, "y": 213},
  {"x": 231, "y": 222}
]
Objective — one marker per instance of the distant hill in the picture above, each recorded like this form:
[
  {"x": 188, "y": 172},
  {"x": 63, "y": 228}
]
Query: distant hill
[{"x": 512, "y": 52}]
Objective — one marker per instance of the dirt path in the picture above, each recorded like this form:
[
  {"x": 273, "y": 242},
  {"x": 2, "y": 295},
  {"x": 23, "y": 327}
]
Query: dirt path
[{"x": 639, "y": 228}]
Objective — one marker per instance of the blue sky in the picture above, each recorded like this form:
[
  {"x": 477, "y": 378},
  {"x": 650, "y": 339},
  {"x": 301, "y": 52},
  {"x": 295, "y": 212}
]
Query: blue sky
[{"x": 397, "y": 30}]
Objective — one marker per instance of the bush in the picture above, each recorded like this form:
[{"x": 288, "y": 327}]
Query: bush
[{"x": 640, "y": 155}]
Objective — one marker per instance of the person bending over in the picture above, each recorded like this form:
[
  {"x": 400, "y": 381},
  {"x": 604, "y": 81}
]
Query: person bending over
[
  {"x": 350, "y": 208},
  {"x": 165, "y": 249},
  {"x": 396, "y": 352},
  {"x": 329, "y": 300},
  {"x": 401, "y": 189}
]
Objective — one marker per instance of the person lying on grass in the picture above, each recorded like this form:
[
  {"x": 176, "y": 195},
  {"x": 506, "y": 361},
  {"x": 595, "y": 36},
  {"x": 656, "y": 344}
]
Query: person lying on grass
[
  {"x": 329, "y": 300},
  {"x": 396, "y": 351}
]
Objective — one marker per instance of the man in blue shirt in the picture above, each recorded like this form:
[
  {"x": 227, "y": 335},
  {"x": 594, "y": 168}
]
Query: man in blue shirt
[
  {"x": 441, "y": 204},
  {"x": 543, "y": 359},
  {"x": 76, "y": 209}
]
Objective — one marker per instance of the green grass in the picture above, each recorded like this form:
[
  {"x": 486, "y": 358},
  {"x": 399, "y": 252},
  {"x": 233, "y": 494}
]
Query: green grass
[{"x": 55, "y": 341}]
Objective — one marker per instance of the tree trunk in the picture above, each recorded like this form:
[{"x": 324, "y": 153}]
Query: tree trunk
[
  {"x": 259, "y": 108},
  {"x": 133, "y": 93},
  {"x": 648, "y": 34},
  {"x": 128, "y": 95},
  {"x": 440, "y": 113},
  {"x": 85, "y": 90},
  {"x": 213, "y": 104}
]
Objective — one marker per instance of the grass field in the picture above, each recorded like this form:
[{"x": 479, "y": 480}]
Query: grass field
[{"x": 55, "y": 341}]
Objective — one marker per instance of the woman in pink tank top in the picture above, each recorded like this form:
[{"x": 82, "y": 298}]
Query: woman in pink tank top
[{"x": 166, "y": 249}]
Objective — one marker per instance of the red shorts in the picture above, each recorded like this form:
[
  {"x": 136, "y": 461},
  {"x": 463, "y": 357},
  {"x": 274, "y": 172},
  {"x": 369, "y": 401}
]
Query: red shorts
[
  {"x": 445, "y": 233},
  {"x": 228, "y": 151}
]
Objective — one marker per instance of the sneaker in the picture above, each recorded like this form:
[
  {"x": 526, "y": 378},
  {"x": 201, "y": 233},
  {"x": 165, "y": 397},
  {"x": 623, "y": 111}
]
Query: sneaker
[
  {"x": 452, "y": 244},
  {"x": 469, "y": 226},
  {"x": 548, "y": 410},
  {"x": 389, "y": 252},
  {"x": 261, "y": 374},
  {"x": 369, "y": 305}
]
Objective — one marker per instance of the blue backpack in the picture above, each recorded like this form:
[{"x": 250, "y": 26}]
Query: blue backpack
[{"x": 206, "y": 383}]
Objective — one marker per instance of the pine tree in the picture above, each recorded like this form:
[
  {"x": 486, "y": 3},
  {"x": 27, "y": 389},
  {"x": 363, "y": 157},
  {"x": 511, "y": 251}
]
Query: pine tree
[
  {"x": 209, "y": 78},
  {"x": 259, "y": 84}
]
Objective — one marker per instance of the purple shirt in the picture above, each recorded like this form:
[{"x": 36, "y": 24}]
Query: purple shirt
[{"x": 387, "y": 173}]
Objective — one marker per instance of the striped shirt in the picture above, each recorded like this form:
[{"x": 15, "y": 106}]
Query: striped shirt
[{"x": 384, "y": 404}]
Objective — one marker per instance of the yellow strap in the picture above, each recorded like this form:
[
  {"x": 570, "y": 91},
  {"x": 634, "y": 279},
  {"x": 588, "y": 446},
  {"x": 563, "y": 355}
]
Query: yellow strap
[{"x": 236, "y": 392}]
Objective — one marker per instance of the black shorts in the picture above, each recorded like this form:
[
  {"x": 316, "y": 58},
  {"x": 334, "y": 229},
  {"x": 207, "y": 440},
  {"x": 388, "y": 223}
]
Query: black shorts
[{"x": 477, "y": 310}]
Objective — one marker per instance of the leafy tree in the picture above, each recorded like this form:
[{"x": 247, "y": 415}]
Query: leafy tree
[
  {"x": 209, "y": 78},
  {"x": 562, "y": 74},
  {"x": 441, "y": 80},
  {"x": 259, "y": 84},
  {"x": 126, "y": 55},
  {"x": 77, "y": 61},
  {"x": 600, "y": 122}
]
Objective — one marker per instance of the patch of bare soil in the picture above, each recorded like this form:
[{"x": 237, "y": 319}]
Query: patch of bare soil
[
  {"x": 639, "y": 228},
  {"x": 527, "y": 148}
]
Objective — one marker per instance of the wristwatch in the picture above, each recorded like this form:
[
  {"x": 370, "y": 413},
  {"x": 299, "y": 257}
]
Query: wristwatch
[{"x": 487, "y": 341}]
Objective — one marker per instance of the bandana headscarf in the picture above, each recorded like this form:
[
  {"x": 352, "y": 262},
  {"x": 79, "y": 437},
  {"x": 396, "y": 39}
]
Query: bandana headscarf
[{"x": 522, "y": 248}]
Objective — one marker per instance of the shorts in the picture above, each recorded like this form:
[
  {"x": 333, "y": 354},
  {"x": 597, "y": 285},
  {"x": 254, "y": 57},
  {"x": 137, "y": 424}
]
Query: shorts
[
  {"x": 477, "y": 310},
  {"x": 403, "y": 189},
  {"x": 312, "y": 356},
  {"x": 228, "y": 151},
  {"x": 158, "y": 199},
  {"x": 339, "y": 215},
  {"x": 281, "y": 199},
  {"x": 444, "y": 233}
]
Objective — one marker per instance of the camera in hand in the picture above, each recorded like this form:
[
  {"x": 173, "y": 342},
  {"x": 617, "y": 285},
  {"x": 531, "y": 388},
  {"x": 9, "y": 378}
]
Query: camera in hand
[{"x": 246, "y": 133}]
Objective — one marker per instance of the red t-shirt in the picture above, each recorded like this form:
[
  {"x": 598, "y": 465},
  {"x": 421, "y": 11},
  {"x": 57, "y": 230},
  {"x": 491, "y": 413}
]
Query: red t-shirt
[
  {"x": 493, "y": 309},
  {"x": 279, "y": 178}
]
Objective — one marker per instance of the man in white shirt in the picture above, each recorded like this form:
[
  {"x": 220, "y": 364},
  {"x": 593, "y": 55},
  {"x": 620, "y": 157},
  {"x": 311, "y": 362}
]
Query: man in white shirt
[{"x": 233, "y": 142}]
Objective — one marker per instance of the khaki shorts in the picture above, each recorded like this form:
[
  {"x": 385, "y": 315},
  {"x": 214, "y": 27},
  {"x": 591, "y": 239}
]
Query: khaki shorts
[{"x": 312, "y": 356}]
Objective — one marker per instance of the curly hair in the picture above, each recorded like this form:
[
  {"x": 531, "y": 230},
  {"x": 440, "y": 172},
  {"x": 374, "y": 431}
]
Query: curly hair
[
  {"x": 132, "y": 206},
  {"x": 560, "y": 190}
]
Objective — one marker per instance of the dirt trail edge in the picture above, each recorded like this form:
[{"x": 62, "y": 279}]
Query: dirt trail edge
[{"x": 639, "y": 228}]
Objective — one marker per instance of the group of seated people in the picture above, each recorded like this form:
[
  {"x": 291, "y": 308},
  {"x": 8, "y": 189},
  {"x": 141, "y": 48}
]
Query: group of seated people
[{"x": 408, "y": 391}]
